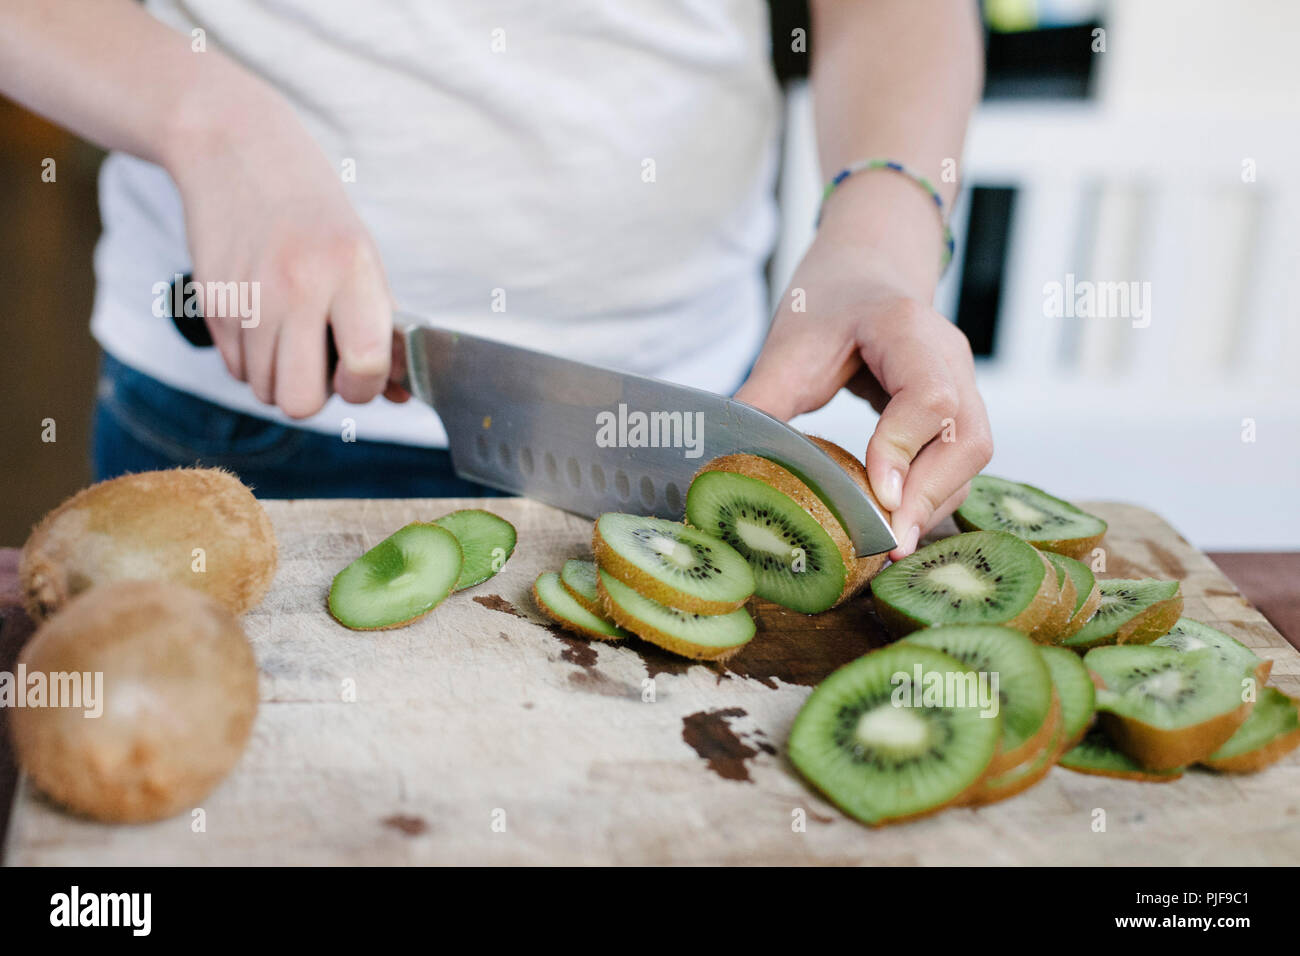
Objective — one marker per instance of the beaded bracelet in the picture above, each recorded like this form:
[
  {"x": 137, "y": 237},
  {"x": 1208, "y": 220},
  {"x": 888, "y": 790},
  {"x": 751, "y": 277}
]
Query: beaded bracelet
[{"x": 863, "y": 164}]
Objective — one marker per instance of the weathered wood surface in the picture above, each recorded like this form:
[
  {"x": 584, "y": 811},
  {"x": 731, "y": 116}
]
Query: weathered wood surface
[{"x": 482, "y": 715}]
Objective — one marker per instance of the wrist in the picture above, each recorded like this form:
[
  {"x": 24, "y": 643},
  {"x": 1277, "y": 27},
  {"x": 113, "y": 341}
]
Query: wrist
[{"x": 885, "y": 216}]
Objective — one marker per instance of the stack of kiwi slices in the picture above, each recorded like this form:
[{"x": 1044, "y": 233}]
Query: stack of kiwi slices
[
  {"x": 409, "y": 573},
  {"x": 665, "y": 582}
]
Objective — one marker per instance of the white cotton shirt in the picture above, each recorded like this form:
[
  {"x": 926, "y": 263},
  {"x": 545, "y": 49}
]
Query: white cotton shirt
[{"x": 604, "y": 170}]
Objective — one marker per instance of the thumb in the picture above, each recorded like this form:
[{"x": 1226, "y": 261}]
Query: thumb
[{"x": 768, "y": 390}]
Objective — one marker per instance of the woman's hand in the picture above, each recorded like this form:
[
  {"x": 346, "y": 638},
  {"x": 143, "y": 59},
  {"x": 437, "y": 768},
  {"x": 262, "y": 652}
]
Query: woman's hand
[
  {"x": 264, "y": 207},
  {"x": 860, "y": 327}
]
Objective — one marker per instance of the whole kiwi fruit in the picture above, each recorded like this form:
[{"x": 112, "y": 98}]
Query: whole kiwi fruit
[
  {"x": 200, "y": 527},
  {"x": 177, "y": 701}
]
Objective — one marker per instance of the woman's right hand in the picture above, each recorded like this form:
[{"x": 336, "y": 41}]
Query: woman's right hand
[{"x": 264, "y": 208}]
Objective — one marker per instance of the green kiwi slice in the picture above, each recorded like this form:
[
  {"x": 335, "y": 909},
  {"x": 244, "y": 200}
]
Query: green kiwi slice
[
  {"x": 486, "y": 541},
  {"x": 1189, "y": 635},
  {"x": 985, "y": 577},
  {"x": 1074, "y": 687},
  {"x": 1047, "y": 522},
  {"x": 766, "y": 517},
  {"x": 870, "y": 739},
  {"x": 1024, "y": 684},
  {"x": 555, "y": 601},
  {"x": 1130, "y": 612},
  {"x": 1270, "y": 732},
  {"x": 579, "y": 579},
  {"x": 1087, "y": 595},
  {"x": 402, "y": 578},
  {"x": 1166, "y": 708},
  {"x": 672, "y": 564},
  {"x": 1097, "y": 756},
  {"x": 698, "y": 636}
]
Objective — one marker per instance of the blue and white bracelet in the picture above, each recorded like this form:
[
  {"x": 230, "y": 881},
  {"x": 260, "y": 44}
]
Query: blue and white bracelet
[{"x": 864, "y": 164}]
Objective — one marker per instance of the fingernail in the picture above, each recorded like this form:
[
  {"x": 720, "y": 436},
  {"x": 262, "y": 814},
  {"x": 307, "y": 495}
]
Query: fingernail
[
  {"x": 891, "y": 496},
  {"x": 911, "y": 539}
]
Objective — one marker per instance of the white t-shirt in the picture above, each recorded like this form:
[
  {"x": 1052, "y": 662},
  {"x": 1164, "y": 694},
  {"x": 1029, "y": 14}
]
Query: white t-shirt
[{"x": 603, "y": 169}]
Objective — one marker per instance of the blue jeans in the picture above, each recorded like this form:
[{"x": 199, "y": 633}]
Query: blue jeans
[{"x": 141, "y": 425}]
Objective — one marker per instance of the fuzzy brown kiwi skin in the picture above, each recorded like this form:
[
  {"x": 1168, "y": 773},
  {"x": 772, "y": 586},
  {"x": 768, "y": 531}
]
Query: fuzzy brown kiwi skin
[
  {"x": 614, "y": 612},
  {"x": 1081, "y": 617},
  {"x": 1009, "y": 759},
  {"x": 1058, "y": 612},
  {"x": 1152, "y": 623},
  {"x": 1070, "y": 547},
  {"x": 1254, "y": 760},
  {"x": 783, "y": 481},
  {"x": 1136, "y": 775},
  {"x": 208, "y": 507},
  {"x": 613, "y": 563},
  {"x": 861, "y": 570},
  {"x": 187, "y": 654},
  {"x": 1159, "y": 749},
  {"x": 587, "y": 605},
  {"x": 573, "y": 626}
]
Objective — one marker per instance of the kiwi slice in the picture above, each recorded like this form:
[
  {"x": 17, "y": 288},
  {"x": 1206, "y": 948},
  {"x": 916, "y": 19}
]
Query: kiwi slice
[
  {"x": 1024, "y": 682},
  {"x": 862, "y": 740},
  {"x": 556, "y": 602},
  {"x": 1074, "y": 687},
  {"x": 1189, "y": 635},
  {"x": 1097, "y": 756},
  {"x": 579, "y": 579},
  {"x": 798, "y": 551},
  {"x": 400, "y": 579},
  {"x": 1130, "y": 612},
  {"x": 1270, "y": 733},
  {"x": 1062, "y": 604},
  {"x": 985, "y": 577},
  {"x": 1166, "y": 708},
  {"x": 996, "y": 504},
  {"x": 698, "y": 636},
  {"x": 672, "y": 564},
  {"x": 148, "y": 526},
  {"x": 1087, "y": 593},
  {"x": 486, "y": 543},
  {"x": 1031, "y": 770}
]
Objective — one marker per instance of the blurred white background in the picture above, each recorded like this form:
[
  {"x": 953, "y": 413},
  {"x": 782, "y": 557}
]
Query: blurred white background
[{"x": 1180, "y": 168}]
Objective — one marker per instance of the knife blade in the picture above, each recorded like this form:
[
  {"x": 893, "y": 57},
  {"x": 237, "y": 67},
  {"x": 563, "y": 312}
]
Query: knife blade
[{"x": 589, "y": 439}]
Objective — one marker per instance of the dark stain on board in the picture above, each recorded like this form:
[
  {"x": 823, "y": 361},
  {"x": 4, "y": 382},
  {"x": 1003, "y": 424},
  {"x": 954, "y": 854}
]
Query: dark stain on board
[
  {"x": 709, "y": 734},
  {"x": 577, "y": 650},
  {"x": 803, "y": 649},
  {"x": 1169, "y": 563},
  {"x": 592, "y": 681},
  {"x": 411, "y": 826},
  {"x": 495, "y": 602}
]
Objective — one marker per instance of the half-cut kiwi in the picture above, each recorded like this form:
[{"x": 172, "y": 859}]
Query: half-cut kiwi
[
  {"x": 1130, "y": 612},
  {"x": 985, "y": 577},
  {"x": 996, "y": 504},
  {"x": 400, "y": 579},
  {"x": 486, "y": 543},
  {"x": 1097, "y": 756},
  {"x": 799, "y": 552},
  {"x": 1270, "y": 733},
  {"x": 870, "y": 739},
  {"x": 1189, "y": 635},
  {"x": 1023, "y": 682},
  {"x": 1077, "y": 693},
  {"x": 200, "y": 527},
  {"x": 672, "y": 564},
  {"x": 556, "y": 602},
  {"x": 579, "y": 579},
  {"x": 698, "y": 636},
  {"x": 1165, "y": 708}
]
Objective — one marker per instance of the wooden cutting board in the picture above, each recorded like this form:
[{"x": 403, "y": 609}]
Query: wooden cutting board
[{"x": 482, "y": 735}]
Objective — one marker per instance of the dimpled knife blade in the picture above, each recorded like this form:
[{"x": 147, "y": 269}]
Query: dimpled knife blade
[{"x": 589, "y": 440}]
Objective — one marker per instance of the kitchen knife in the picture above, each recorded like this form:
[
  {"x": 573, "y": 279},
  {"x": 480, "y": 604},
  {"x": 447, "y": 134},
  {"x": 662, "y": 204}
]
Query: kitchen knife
[{"x": 590, "y": 439}]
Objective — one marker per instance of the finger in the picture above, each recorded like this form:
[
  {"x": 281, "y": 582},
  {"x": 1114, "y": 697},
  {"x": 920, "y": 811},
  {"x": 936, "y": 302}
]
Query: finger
[
  {"x": 794, "y": 375},
  {"x": 923, "y": 401},
  {"x": 227, "y": 343},
  {"x": 361, "y": 315},
  {"x": 937, "y": 480},
  {"x": 300, "y": 374},
  {"x": 259, "y": 350}
]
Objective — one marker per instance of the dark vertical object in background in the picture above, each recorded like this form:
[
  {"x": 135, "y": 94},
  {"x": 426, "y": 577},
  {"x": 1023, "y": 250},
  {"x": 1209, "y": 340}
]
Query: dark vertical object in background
[
  {"x": 988, "y": 236},
  {"x": 1051, "y": 63},
  {"x": 784, "y": 17}
]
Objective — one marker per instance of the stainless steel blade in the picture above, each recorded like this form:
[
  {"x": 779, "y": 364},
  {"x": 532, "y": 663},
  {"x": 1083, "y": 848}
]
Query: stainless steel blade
[{"x": 591, "y": 440}]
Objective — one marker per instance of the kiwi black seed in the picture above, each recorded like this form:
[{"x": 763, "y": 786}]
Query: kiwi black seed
[
  {"x": 983, "y": 577},
  {"x": 1130, "y": 612}
]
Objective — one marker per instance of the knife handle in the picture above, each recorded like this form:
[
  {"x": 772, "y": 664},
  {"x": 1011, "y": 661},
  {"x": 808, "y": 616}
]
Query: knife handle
[{"x": 194, "y": 329}]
